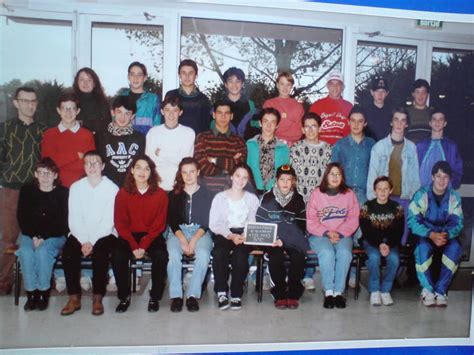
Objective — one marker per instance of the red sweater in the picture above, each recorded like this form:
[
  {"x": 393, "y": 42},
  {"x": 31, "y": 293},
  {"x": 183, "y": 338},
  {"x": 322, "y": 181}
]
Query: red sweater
[
  {"x": 135, "y": 213},
  {"x": 63, "y": 148},
  {"x": 334, "y": 118},
  {"x": 291, "y": 112}
]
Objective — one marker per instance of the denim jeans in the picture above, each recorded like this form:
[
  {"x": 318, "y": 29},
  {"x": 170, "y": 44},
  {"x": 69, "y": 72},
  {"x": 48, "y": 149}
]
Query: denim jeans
[
  {"x": 373, "y": 265},
  {"x": 334, "y": 261},
  {"x": 201, "y": 262},
  {"x": 37, "y": 263}
]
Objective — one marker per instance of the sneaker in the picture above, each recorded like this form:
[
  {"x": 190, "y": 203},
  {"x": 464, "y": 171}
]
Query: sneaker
[
  {"x": 176, "y": 305},
  {"x": 293, "y": 303},
  {"x": 428, "y": 298},
  {"x": 235, "y": 304},
  {"x": 153, "y": 305},
  {"x": 375, "y": 298},
  {"x": 340, "y": 301},
  {"x": 192, "y": 304},
  {"x": 223, "y": 302},
  {"x": 112, "y": 285},
  {"x": 60, "y": 284},
  {"x": 86, "y": 283},
  {"x": 386, "y": 298},
  {"x": 281, "y": 304},
  {"x": 308, "y": 284},
  {"x": 441, "y": 300}
]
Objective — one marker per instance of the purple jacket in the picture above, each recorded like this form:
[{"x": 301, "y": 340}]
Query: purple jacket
[{"x": 451, "y": 152}]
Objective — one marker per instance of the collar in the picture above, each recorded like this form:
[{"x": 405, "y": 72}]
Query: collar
[
  {"x": 74, "y": 129},
  {"x": 195, "y": 92},
  {"x": 220, "y": 134}
]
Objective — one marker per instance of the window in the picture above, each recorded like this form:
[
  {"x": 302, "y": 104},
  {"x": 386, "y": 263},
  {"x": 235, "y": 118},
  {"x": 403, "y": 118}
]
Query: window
[{"x": 261, "y": 50}]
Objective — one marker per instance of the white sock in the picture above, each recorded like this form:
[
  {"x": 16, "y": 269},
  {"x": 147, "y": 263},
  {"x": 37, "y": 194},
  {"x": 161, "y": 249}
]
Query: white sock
[
  {"x": 337, "y": 294},
  {"x": 329, "y": 293},
  {"x": 219, "y": 294}
]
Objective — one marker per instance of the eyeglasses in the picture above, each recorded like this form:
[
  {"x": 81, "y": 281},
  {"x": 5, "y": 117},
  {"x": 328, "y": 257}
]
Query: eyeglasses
[
  {"x": 45, "y": 173},
  {"x": 26, "y": 101},
  {"x": 92, "y": 164},
  {"x": 335, "y": 174},
  {"x": 313, "y": 126}
]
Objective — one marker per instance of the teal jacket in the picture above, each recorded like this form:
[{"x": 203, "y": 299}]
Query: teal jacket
[
  {"x": 148, "y": 111},
  {"x": 282, "y": 153}
]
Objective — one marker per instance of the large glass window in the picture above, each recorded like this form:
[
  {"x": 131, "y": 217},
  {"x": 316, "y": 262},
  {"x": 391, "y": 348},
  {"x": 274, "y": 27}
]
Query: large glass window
[
  {"x": 36, "y": 53},
  {"x": 261, "y": 50},
  {"x": 115, "y": 46},
  {"x": 396, "y": 63}
]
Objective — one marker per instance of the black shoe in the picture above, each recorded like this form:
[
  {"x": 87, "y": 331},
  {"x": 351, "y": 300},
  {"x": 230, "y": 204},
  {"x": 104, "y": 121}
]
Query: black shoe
[
  {"x": 123, "y": 306},
  {"x": 340, "y": 301},
  {"x": 30, "y": 304},
  {"x": 43, "y": 300},
  {"x": 176, "y": 304},
  {"x": 192, "y": 304},
  {"x": 223, "y": 302},
  {"x": 235, "y": 304},
  {"x": 329, "y": 302},
  {"x": 153, "y": 305}
]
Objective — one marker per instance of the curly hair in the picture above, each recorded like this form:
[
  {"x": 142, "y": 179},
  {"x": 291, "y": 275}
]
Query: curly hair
[
  {"x": 154, "y": 180},
  {"x": 97, "y": 91}
]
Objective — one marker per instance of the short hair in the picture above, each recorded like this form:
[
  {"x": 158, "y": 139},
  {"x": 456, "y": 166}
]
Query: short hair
[
  {"x": 233, "y": 71},
  {"x": 269, "y": 111},
  {"x": 324, "y": 186},
  {"x": 420, "y": 83},
  {"x": 68, "y": 96},
  {"x": 360, "y": 110},
  {"x": 173, "y": 101},
  {"x": 126, "y": 102},
  {"x": 401, "y": 109},
  {"x": 25, "y": 89},
  {"x": 381, "y": 179},
  {"x": 443, "y": 166},
  {"x": 311, "y": 116},
  {"x": 287, "y": 75},
  {"x": 435, "y": 111},
  {"x": 285, "y": 169},
  {"x": 48, "y": 164},
  {"x": 188, "y": 63},
  {"x": 94, "y": 153},
  {"x": 222, "y": 102},
  {"x": 138, "y": 64}
]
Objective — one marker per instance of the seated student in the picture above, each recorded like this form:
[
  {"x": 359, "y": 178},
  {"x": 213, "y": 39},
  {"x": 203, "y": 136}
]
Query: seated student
[
  {"x": 291, "y": 111},
  {"x": 120, "y": 142},
  {"x": 265, "y": 152},
  {"x": 67, "y": 143},
  {"x": 438, "y": 147},
  {"x": 91, "y": 213},
  {"x": 188, "y": 218},
  {"x": 147, "y": 103},
  {"x": 42, "y": 216},
  {"x": 140, "y": 219},
  {"x": 332, "y": 217},
  {"x": 285, "y": 206},
  {"x": 169, "y": 143},
  {"x": 381, "y": 221},
  {"x": 436, "y": 219},
  {"x": 230, "y": 210}
]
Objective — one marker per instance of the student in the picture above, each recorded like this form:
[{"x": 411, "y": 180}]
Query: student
[
  {"x": 67, "y": 143},
  {"x": 120, "y": 142},
  {"x": 230, "y": 210},
  {"x": 438, "y": 148},
  {"x": 196, "y": 106},
  {"x": 265, "y": 152},
  {"x": 291, "y": 111},
  {"x": 140, "y": 219},
  {"x": 95, "y": 109},
  {"x": 285, "y": 206},
  {"x": 91, "y": 213},
  {"x": 378, "y": 113},
  {"x": 42, "y": 216},
  {"x": 419, "y": 112},
  {"x": 395, "y": 157},
  {"x": 333, "y": 110},
  {"x": 20, "y": 139},
  {"x": 188, "y": 218},
  {"x": 218, "y": 151},
  {"x": 381, "y": 221},
  {"x": 147, "y": 103},
  {"x": 170, "y": 142},
  {"x": 332, "y": 217},
  {"x": 435, "y": 217}
]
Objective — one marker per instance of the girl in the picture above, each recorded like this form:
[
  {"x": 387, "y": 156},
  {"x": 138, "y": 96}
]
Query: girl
[{"x": 332, "y": 218}]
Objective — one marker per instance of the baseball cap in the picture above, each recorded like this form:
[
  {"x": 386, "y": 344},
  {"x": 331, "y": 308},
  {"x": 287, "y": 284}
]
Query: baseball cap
[
  {"x": 335, "y": 75},
  {"x": 379, "y": 83}
]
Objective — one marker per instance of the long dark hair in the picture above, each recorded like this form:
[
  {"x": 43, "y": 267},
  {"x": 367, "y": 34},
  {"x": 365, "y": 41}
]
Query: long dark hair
[
  {"x": 324, "y": 187},
  {"x": 179, "y": 182},
  {"x": 153, "y": 181},
  {"x": 97, "y": 92}
]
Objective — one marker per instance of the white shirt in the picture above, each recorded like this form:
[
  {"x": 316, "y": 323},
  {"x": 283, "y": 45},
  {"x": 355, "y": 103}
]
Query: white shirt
[{"x": 91, "y": 210}]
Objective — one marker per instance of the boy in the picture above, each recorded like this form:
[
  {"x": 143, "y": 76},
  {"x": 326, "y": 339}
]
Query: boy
[
  {"x": 378, "y": 112},
  {"x": 419, "y": 112}
]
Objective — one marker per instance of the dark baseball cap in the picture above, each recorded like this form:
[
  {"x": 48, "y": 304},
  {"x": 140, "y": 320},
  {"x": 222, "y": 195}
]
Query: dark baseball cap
[{"x": 379, "y": 83}]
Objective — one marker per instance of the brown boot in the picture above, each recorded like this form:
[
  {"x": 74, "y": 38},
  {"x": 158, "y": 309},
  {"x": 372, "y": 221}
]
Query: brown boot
[
  {"x": 72, "y": 305},
  {"x": 97, "y": 307}
]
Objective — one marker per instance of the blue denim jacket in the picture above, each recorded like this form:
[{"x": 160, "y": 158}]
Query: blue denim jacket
[{"x": 379, "y": 160}]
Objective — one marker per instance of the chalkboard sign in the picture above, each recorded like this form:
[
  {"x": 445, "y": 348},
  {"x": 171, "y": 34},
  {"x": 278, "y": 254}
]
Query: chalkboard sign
[{"x": 260, "y": 233}]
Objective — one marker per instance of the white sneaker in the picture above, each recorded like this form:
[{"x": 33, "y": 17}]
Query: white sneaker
[
  {"x": 308, "y": 284},
  {"x": 428, "y": 298},
  {"x": 375, "y": 299},
  {"x": 86, "y": 283},
  {"x": 60, "y": 284},
  {"x": 441, "y": 300},
  {"x": 386, "y": 298},
  {"x": 112, "y": 285}
]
